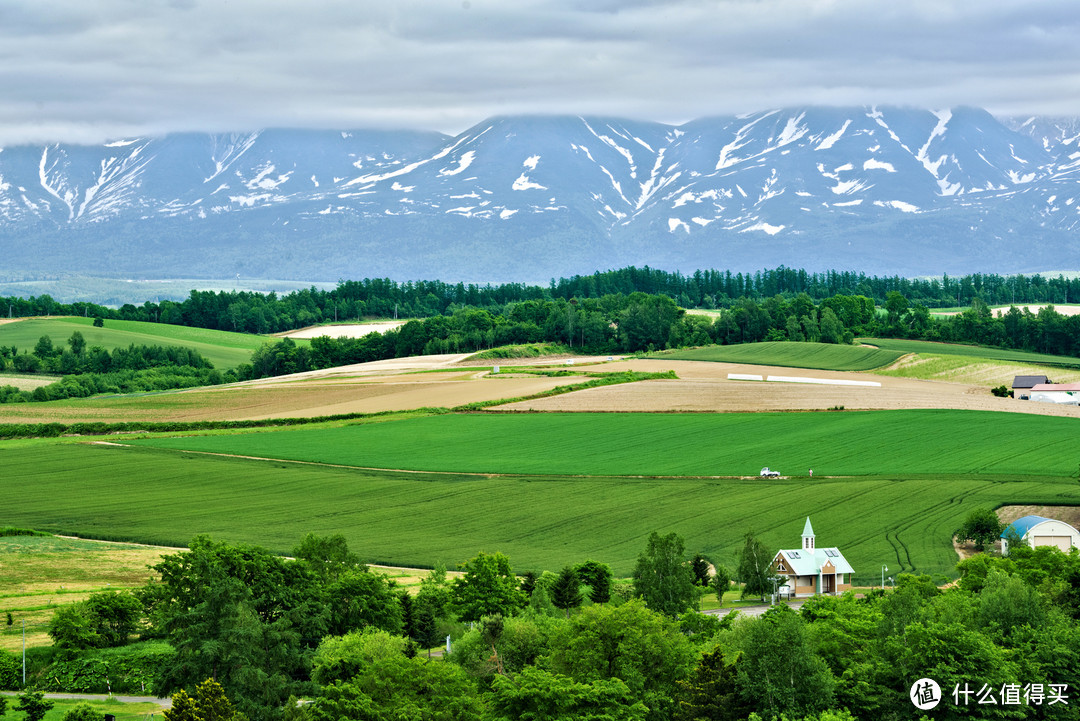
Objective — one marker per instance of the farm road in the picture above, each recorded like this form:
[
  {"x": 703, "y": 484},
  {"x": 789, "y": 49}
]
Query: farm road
[
  {"x": 164, "y": 703},
  {"x": 751, "y": 610}
]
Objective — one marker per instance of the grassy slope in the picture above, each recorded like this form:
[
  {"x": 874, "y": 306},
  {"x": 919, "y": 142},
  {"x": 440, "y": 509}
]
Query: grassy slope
[
  {"x": 41, "y": 572},
  {"x": 971, "y": 351},
  {"x": 540, "y": 522},
  {"x": 821, "y": 356},
  {"x": 224, "y": 349},
  {"x": 847, "y": 443}
]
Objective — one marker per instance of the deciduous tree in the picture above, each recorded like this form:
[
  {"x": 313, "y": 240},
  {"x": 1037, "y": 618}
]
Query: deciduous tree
[
  {"x": 489, "y": 587},
  {"x": 663, "y": 578},
  {"x": 981, "y": 526},
  {"x": 755, "y": 567}
]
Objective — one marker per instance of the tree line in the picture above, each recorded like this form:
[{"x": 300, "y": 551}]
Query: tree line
[
  {"x": 92, "y": 370},
  {"x": 576, "y": 645},
  {"x": 251, "y": 312},
  {"x": 614, "y": 323}
]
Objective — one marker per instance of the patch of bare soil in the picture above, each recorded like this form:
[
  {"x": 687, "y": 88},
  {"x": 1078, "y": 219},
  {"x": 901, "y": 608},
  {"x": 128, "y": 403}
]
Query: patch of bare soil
[
  {"x": 299, "y": 398},
  {"x": 705, "y": 387},
  {"x": 1069, "y": 514},
  {"x": 343, "y": 330}
]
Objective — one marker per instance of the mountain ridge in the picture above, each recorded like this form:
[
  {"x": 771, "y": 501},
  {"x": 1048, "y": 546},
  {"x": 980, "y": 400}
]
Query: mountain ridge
[{"x": 880, "y": 189}]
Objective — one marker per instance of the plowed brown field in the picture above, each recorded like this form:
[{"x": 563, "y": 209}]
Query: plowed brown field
[
  {"x": 390, "y": 385},
  {"x": 704, "y": 386},
  {"x": 395, "y": 384}
]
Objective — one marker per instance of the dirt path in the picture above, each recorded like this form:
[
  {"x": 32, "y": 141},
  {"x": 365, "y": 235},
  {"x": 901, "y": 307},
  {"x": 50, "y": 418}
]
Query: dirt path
[{"x": 164, "y": 703}]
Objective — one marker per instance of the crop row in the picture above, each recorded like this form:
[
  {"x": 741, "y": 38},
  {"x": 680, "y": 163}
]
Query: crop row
[
  {"x": 729, "y": 444},
  {"x": 541, "y": 522}
]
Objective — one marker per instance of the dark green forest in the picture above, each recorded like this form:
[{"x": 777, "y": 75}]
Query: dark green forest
[
  {"x": 380, "y": 297},
  {"x": 570, "y": 645}
]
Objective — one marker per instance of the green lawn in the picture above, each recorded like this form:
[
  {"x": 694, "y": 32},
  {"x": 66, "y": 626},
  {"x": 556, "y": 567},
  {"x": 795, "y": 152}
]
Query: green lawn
[
  {"x": 541, "y": 522},
  {"x": 820, "y": 356},
  {"x": 726, "y": 444},
  {"x": 972, "y": 351},
  {"x": 224, "y": 349},
  {"x": 122, "y": 711}
]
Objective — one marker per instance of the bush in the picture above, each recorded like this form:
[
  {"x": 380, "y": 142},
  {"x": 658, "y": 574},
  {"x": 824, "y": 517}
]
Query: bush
[
  {"x": 1001, "y": 392},
  {"x": 13, "y": 531},
  {"x": 10, "y": 670},
  {"x": 84, "y": 712},
  {"x": 135, "y": 668}
]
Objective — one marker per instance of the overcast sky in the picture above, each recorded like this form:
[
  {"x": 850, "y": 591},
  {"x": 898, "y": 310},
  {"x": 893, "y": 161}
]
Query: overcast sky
[{"x": 86, "y": 71}]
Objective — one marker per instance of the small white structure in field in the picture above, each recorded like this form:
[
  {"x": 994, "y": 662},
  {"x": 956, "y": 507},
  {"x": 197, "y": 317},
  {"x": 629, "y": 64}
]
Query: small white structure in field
[
  {"x": 1066, "y": 394},
  {"x": 1040, "y": 531}
]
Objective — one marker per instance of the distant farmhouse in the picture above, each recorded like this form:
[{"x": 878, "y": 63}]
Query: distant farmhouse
[
  {"x": 1066, "y": 394},
  {"x": 1022, "y": 385},
  {"x": 809, "y": 570},
  {"x": 1039, "y": 531}
]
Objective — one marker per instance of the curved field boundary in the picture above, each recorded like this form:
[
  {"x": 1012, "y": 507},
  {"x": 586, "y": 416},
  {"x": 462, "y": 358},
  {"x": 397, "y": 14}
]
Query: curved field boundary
[
  {"x": 904, "y": 346},
  {"x": 816, "y": 356},
  {"x": 849, "y": 443},
  {"x": 417, "y": 519}
]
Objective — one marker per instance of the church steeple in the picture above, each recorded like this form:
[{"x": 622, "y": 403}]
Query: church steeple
[{"x": 808, "y": 536}]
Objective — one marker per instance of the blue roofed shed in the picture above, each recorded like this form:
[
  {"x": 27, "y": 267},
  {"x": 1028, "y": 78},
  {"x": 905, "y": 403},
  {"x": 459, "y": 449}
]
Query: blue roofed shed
[{"x": 1041, "y": 531}]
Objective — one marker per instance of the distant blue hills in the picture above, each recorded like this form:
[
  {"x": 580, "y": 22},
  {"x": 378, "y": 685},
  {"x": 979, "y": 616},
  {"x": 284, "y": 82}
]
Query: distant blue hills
[{"x": 881, "y": 190}]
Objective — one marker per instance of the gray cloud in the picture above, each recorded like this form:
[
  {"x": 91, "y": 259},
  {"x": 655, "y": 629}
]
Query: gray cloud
[{"x": 81, "y": 71}]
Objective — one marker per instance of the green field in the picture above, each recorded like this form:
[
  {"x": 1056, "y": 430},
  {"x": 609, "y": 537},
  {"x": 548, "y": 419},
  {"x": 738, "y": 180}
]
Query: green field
[
  {"x": 699, "y": 444},
  {"x": 902, "y": 346},
  {"x": 820, "y": 356},
  {"x": 224, "y": 349},
  {"x": 541, "y": 522}
]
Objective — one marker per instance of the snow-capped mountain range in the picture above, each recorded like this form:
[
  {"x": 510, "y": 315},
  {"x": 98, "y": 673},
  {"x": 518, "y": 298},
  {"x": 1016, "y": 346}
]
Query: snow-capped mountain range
[{"x": 885, "y": 190}]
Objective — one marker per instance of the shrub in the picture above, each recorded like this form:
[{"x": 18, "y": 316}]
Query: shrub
[
  {"x": 84, "y": 712},
  {"x": 10, "y": 670},
  {"x": 135, "y": 668}
]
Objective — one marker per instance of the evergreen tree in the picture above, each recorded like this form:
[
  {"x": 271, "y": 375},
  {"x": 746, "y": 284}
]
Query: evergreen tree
[
  {"x": 566, "y": 592},
  {"x": 597, "y": 576},
  {"x": 700, "y": 567},
  {"x": 184, "y": 708},
  {"x": 712, "y": 692},
  {"x": 33, "y": 705}
]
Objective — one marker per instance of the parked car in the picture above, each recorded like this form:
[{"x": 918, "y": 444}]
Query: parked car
[{"x": 767, "y": 472}]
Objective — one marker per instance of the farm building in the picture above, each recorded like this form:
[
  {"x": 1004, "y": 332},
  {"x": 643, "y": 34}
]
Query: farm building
[
  {"x": 810, "y": 570},
  {"x": 1066, "y": 394},
  {"x": 1040, "y": 531},
  {"x": 1022, "y": 385}
]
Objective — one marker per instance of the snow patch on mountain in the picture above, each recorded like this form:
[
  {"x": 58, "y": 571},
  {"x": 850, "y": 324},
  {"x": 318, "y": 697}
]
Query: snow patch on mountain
[
  {"x": 831, "y": 140},
  {"x": 464, "y": 162},
  {"x": 874, "y": 164}
]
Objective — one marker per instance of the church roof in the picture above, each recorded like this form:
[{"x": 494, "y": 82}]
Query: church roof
[
  {"x": 809, "y": 563},
  {"x": 808, "y": 530}
]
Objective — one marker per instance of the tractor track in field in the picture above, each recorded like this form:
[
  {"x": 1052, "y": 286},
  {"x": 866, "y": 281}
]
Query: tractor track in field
[{"x": 478, "y": 474}]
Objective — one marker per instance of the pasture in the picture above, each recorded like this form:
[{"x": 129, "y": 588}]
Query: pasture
[
  {"x": 819, "y": 356},
  {"x": 850, "y": 443},
  {"x": 40, "y": 573},
  {"x": 903, "y": 346},
  {"x": 224, "y": 349},
  {"x": 153, "y": 495}
]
